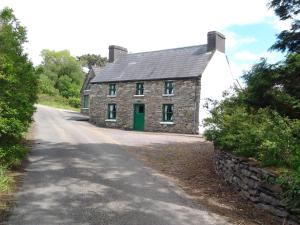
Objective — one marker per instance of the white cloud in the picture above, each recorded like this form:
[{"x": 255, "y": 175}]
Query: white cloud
[
  {"x": 255, "y": 57},
  {"x": 90, "y": 26},
  {"x": 281, "y": 25},
  {"x": 234, "y": 41}
]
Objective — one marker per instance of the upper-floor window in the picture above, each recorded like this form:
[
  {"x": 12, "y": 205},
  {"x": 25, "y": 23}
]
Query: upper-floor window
[
  {"x": 139, "y": 89},
  {"x": 112, "y": 90},
  {"x": 169, "y": 88},
  {"x": 167, "y": 114},
  {"x": 112, "y": 111}
]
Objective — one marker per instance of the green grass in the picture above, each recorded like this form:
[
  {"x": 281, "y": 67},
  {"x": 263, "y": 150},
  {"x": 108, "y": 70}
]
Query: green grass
[
  {"x": 5, "y": 180},
  {"x": 56, "y": 101}
]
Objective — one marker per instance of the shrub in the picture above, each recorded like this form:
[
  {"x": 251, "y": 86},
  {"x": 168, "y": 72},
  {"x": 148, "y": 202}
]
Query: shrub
[
  {"x": 74, "y": 102},
  {"x": 264, "y": 134}
]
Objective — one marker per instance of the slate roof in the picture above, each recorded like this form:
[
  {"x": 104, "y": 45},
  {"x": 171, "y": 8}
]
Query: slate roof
[{"x": 164, "y": 64}]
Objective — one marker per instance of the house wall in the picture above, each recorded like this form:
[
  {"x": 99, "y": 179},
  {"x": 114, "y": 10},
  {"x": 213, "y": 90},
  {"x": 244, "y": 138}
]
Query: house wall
[
  {"x": 215, "y": 79},
  {"x": 185, "y": 101}
]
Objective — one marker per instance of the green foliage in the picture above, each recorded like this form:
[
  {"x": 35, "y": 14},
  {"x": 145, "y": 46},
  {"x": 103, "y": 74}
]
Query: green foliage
[
  {"x": 263, "y": 134},
  {"x": 46, "y": 86},
  {"x": 60, "y": 75},
  {"x": 287, "y": 40},
  {"x": 74, "y": 102},
  {"x": 18, "y": 85},
  {"x": 90, "y": 60},
  {"x": 4, "y": 180},
  {"x": 59, "y": 102},
  {"x": 290, "y": 181},
  {"x": 275, "y": 86}
]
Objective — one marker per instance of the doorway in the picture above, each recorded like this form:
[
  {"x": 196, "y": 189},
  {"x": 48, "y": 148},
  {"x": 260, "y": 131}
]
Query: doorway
[{"x": 139, "y": 117}]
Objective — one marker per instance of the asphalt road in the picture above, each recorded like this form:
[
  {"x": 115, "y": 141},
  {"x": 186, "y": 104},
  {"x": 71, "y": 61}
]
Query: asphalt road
[{"x": 79, "y": 174}]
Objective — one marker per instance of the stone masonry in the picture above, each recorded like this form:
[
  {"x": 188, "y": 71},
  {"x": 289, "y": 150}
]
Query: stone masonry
[
  {"x": 252, "y": 182},
  {"x": 185, "y": 100}
]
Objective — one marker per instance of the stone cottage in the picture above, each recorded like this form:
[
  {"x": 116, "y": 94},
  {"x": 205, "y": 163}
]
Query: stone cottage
[{"x": 157, "y": 90}]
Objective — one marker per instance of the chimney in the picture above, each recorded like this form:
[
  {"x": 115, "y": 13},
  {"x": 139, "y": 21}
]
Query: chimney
[
  {"x": 215, "y": 41},
  {"x": 115, "y": 52}
]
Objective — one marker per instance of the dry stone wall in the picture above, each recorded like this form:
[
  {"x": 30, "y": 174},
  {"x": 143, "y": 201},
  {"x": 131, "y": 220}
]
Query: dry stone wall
[{"x": 253, "y": 183}]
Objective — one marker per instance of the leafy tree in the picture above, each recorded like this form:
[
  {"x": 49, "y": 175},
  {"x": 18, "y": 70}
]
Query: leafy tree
[
  {"x": 90, "y": 60},
  {"x": 18, "y": 85},
  {"x": 275, "y": 86},
  {"x": 62, "y": 72},
  {"x": 287, "y": 40}
]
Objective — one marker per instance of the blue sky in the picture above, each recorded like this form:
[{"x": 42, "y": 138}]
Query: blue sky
[{"x": 255, "y": 41}]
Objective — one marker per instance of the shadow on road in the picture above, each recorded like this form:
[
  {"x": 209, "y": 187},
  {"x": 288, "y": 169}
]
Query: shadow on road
[{"x": 99, "y": 184}]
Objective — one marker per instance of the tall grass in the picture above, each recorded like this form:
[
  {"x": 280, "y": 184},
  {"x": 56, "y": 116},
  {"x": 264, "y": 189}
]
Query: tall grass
[{"x": 5, "y": 180}]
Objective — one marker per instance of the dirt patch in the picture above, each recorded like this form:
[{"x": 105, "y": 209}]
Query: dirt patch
[
  {"x": 16, "y": 175},
  {"x": 191, "y": 166}
]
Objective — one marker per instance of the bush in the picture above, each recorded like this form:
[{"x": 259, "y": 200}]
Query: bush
[
  {"x": 263, "y": 134},
  {"x": 18, "y": 89},
  {"x": 12, "y": 154},
  {"x": 74, "y": 102}
]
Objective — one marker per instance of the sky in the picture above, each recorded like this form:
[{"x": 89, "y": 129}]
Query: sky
[{"x": 90, "y": 26}]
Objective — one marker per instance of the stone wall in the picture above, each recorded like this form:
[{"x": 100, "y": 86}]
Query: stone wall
[
  {"x": 185, "y": 101},
  {"x": 251, "y": 182}
]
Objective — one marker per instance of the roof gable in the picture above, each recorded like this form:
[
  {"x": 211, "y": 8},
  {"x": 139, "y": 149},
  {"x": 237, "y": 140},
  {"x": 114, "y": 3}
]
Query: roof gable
[{"x": 164, "y": 64}]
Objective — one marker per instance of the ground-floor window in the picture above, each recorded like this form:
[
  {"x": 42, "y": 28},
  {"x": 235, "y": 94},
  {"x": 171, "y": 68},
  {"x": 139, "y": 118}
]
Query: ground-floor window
[
  {"x": 86, "y": 101},
  {"x": 112, "y": 111},
  {"x": 167, "y": 112}
]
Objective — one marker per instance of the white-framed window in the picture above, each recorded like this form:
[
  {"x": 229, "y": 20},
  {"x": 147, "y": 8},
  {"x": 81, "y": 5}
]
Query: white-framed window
[
  {"x": 112, "y": 91},
  {"x": 112, "y": 111},
  {"x": 139, "y": 89},
  {"x": 167, "y": 113},
  {"x": 169, "y": 88}
]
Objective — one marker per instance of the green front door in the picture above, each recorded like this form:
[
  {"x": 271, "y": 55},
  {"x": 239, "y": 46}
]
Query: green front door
[{"x": 139, "y": 117}]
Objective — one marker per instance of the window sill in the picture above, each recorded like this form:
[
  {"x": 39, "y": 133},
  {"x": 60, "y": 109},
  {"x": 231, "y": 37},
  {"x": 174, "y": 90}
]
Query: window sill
[
  {"x": 167, "y": 95},
  {"x": 84, "y": 108},
  {"x": 110, "y": 120},
  {"x": 111, "y": 96},
  {"x": 167, "y": 122},
  {"x": 138, "y": 95}
]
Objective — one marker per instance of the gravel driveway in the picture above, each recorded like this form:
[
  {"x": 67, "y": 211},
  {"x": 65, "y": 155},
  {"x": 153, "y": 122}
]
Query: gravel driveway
[{"x": 80, "y": 174}]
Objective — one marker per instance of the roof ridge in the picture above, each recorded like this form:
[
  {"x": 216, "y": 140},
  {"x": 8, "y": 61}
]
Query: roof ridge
[{"x": 168, "y": 49}]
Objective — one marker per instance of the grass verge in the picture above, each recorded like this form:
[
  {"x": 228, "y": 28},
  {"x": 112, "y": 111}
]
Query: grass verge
[
  {"x": 11, "y": 177},
  {"x": 56, "y": 101},
  {"x": 5, "y": 180}
]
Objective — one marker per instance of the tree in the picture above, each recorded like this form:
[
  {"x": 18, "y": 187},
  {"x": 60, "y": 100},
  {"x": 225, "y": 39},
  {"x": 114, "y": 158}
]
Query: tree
[
  {"x": 60, "y": 71},
  {"x": 287, "y": 40},
  {"x": 18, "y": 85},
  {"x": 90, "y": 60}
]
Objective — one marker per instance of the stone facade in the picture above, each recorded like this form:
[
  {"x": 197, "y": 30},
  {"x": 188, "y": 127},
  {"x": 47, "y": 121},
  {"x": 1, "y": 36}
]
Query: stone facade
[
  {"x": 185, "y": 101},
  {"x": 252, "y": 183}
]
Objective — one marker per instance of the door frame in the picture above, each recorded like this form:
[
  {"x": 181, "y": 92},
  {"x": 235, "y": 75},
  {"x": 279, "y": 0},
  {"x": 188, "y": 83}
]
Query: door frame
[{"x": 134, "y": 106}]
